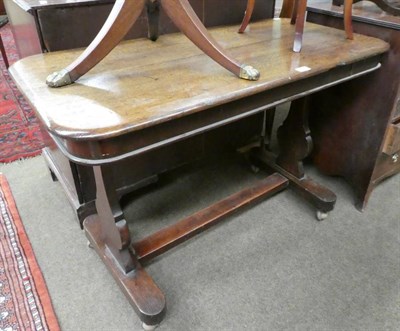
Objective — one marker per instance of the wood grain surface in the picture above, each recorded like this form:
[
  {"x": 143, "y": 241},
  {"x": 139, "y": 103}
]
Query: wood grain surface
[{"x": 142, "y": 83}]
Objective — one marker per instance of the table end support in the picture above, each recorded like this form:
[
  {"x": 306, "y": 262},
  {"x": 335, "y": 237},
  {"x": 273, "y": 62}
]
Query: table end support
[{"x": 143, "y": 294}]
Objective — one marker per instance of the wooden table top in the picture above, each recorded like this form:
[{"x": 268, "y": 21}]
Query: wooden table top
[
  {"x": 143, "y": 83},
  {"x": 364, "y": 11}
]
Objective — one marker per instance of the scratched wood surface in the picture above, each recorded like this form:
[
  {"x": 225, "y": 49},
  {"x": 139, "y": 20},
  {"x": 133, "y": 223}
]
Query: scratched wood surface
[{"x": 142, "y": 83}]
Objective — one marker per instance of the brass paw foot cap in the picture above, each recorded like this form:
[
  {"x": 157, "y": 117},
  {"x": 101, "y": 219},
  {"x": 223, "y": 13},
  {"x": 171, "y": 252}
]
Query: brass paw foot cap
[
  {"x": 59, "y": 78},
  {"x": 249, "y": 73}
]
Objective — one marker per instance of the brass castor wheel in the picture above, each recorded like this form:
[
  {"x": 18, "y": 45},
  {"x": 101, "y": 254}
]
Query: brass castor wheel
[
  {"x": 321, "y": 215},
  {"x": 147, "y": 327},
  {"x": 254, "y": 169}
]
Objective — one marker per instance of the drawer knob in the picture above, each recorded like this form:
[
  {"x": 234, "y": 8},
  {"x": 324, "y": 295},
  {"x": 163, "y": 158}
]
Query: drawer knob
[{"x": 395, "y": 157}]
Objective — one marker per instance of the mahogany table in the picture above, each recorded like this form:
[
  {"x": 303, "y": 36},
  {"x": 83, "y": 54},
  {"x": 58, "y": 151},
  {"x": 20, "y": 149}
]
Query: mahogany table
[
  {"x": 145, "y": 96},
  {"x": 53, "y": 25},
  {"x": 361, "y": 140}
]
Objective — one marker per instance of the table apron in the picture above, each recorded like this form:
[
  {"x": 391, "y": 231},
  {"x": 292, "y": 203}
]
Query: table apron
[{"x": 109, "y": 150}]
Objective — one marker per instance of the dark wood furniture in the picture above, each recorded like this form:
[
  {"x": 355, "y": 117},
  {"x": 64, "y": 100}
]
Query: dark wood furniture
[
  {"x": 123, "y": 16},
  {"x": 63, "y": 24},
  {"x": 361, "y": 142},
  {"x": 78, "y": 22},
  {"x": 2, "y": 8},
  {"x": 147, "y": 96},
  {"x": 3, "y": 53}
]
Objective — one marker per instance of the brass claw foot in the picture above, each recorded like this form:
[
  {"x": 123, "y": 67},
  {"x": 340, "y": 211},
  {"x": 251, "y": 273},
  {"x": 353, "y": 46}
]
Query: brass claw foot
[
  {"x": 59, "y": 78},
  {"x": 249, "y": 73}
]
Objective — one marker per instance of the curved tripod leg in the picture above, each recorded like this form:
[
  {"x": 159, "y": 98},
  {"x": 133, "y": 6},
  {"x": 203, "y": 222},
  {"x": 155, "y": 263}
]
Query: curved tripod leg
[
  {"x": 247, "y": 15},
  {"x": 184, "y": 17},
  {"x": 348, "y": 27},
  {"x": 123, "y": 15},
  {"x": 294, "y": 12},
  {"x": 300, "y": 18}
]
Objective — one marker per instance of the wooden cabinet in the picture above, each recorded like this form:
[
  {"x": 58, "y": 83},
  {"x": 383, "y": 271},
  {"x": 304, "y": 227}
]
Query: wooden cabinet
[{"x": 364, "y": 147}]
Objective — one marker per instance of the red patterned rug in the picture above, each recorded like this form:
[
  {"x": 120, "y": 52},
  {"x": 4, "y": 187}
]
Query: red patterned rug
[
  {"x": 20, "y": 135},
  {"x": 24, "y": 301}
]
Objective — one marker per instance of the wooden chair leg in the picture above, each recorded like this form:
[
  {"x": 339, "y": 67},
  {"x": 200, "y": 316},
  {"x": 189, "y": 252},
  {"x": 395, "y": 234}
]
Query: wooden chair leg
[
  {"x": 3, "y": 53},
  {"x": 295, "y": 9},
  {"x": 348, "y": 26},
  {"x": 247, "y": 15},
  {"x": 287, "y": 9},
  {"x": 122, "y": 17},
  {"x": 300, "y": 18},
  {"x": 184, "y": 17}
]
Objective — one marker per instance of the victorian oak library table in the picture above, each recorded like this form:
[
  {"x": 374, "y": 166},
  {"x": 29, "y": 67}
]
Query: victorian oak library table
[
  {"x": 357, "y": 135},
  {"x": 146, "y": 96}
]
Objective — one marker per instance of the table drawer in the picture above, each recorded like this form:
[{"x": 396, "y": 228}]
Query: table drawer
[{"x": 392, "y": 141}]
